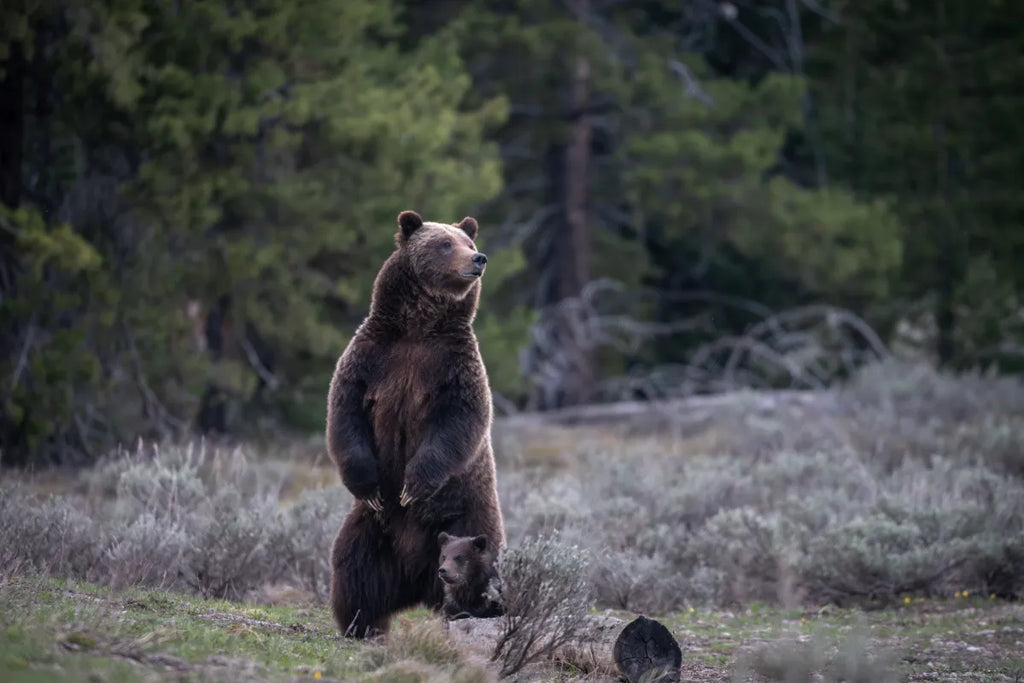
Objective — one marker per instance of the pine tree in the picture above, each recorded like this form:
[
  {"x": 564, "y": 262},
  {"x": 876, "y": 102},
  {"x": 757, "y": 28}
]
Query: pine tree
[{"x": 231, "y": 173}]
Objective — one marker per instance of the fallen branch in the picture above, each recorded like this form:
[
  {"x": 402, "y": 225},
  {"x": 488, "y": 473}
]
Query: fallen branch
[{"x": 601, "y": 644}]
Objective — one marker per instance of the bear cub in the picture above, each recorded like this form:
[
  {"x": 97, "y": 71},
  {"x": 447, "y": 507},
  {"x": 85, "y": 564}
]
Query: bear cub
[{"x": 471, "y": 584}]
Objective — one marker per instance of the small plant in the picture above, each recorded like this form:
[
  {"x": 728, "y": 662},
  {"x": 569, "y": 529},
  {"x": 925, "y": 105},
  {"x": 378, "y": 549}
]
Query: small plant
[{"x": 546, "y": 594}]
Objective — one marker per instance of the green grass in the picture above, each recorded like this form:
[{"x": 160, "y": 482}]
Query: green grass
[
  {"x": 966, "y": 639},
  {"x": 68, "y": 630},
  {"x": 82, "y": 632}
]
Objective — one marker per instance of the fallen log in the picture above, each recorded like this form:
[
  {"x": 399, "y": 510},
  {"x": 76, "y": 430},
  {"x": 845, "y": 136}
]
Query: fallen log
[{"x": 641, "y": 648}]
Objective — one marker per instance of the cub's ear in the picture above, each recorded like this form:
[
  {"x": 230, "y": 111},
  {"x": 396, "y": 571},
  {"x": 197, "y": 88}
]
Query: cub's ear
[
  {"x": 480, "y": 543},
  {"x": 469, "y": 226},
  {"x": 409, "y": 222},
  {"x": 443, "y": 538}
]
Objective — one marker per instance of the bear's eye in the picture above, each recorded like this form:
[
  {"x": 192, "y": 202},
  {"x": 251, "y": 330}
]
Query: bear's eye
[
  {"x": 460, "y": 559},
  {"x": 447, "y": 244}
]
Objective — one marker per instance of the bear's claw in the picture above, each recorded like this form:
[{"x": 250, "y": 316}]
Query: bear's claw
[
  {"x": 405, "y": 499},
  {"x": 376, "y": 505}
]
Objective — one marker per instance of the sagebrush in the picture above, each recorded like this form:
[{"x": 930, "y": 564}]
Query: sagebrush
[
  {"x": 906, "y": 482},
  {"x": 545, "y": 592},
  {"x": 190, "y": 518}
]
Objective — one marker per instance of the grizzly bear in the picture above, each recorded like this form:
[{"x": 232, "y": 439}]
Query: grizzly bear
[
  {"x": 408, "y": 425},
  {"x": 471, "y": 584}
]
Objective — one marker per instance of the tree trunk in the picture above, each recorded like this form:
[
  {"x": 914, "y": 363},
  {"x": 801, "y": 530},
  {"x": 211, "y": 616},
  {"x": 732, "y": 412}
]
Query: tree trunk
[
  {"x": 604, "y": 645},
  {"x": 567, "y": 357},
  {"x": 576, "y": 257},
  {"x": 576, "y": 245}
]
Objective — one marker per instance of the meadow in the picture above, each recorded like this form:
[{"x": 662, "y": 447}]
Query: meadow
[{"x": 869, "y": 533}]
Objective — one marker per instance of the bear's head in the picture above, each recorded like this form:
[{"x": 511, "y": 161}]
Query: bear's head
[
  {"x": 442, "y": 257},
  {"x": 464, "y": 559}
]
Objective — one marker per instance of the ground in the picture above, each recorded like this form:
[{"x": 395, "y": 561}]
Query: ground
[
  {"x": 81, "y": 632},
  {"x": 718, "y": 516}
]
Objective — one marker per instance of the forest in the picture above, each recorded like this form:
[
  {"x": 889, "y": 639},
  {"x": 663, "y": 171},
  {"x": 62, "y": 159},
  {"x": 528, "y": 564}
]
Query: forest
[
  {"x": 677, "y": 198},
  {"x": 753, "y": 321}
]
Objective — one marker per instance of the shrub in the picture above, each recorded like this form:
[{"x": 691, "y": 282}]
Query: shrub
[
  {"x": 48, "y": 536},
  {"x": 176, "y": 517},
  {"x": 907, "y": 480},
  {"x": 742, "y": 549},
  {"x": 854, "y": 495},
  {"x": 145, "y": 551},
  {"x": 546, "y": 595},
  {"x": 228, "y": 554},
  {"x": 303, "y": 535}
]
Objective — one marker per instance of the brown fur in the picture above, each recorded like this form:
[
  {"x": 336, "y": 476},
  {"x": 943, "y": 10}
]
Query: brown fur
[
  {"x": 468, "y": 573},
  {"x": 408, "y": 425}
]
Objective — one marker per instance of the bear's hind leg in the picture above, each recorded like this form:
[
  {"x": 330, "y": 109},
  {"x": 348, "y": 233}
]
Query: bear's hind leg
[{"x": 365, "y": 580}]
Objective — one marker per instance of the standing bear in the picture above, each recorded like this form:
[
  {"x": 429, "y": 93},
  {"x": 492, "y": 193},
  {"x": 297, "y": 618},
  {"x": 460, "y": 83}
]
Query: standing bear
[{"x": 408, "y": 425}]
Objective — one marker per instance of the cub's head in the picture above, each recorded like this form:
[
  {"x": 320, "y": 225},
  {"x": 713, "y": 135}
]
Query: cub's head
[
  {"x": 442, "y": 257},
  {"x": 463, "y": 558}
]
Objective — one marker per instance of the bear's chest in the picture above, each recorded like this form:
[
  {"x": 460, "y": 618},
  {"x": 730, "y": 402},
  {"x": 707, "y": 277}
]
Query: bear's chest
[{"x": 401, "y": 394}]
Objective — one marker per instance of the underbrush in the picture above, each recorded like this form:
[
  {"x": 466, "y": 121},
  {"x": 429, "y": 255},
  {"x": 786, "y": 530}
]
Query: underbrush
[
  {"x": 185, "y": 518},
  {"x": 906, "y": 483}
]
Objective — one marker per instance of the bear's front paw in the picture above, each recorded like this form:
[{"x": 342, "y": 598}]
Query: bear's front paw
[
  {"x": 415, "y": 492},
  {"x": 422, "y": 480}
]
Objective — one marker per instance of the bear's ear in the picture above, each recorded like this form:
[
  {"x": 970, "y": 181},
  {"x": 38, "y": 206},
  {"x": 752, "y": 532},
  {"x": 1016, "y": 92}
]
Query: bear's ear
[
  {"x": 443, "y": 538},
  {"x": 409, "y": 222},
  {"x": 469, "y": 226},
  {"x": 480, "y": 543}
]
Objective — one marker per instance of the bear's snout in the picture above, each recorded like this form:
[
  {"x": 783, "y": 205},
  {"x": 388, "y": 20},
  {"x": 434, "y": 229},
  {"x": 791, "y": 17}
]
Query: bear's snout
[{"x": 479, "y": 260}]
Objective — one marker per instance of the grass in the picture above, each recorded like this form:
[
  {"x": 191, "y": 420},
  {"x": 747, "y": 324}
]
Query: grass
[
  {"x": 972, "y": 639},
  {"x": 78, "y": 631},
  {"x": 68, "y": 630}
]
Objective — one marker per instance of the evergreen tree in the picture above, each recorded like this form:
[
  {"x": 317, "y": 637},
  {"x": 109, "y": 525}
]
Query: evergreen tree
[
  {"x": 918, "y": 104},
  {"x": 234, "y": 172}
]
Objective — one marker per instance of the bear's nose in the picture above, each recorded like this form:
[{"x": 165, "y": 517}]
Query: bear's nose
[
  {"x": 442, "y": 572},
  {"x": 480, "y": 258}
]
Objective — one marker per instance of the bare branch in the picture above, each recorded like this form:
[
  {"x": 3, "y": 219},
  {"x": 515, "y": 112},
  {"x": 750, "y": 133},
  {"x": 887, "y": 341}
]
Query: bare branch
[
  {"x": 254, "y": 361},
  {"x": 26, "y": 349},
  {"x": 693, "y": 88}
]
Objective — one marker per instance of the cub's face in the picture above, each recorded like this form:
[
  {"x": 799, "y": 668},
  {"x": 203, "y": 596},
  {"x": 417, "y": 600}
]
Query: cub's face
[
  {"x": 462, "y": 558},
  {"x": 443, "y": 257}
]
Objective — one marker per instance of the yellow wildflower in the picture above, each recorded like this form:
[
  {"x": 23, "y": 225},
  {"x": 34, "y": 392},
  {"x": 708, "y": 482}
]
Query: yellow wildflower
[{"x": 316, "y": 674}]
